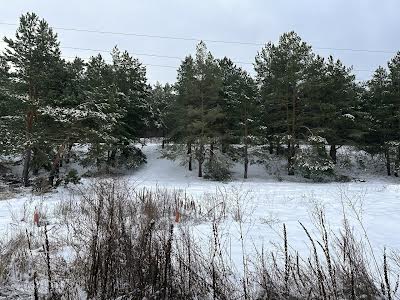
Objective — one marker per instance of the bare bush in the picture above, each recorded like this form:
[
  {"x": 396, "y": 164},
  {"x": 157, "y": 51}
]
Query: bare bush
[{"x": 128, "y": 243}]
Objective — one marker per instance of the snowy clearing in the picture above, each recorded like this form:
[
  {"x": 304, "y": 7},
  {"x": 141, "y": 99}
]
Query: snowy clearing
[{"x": 265, "y": 203}]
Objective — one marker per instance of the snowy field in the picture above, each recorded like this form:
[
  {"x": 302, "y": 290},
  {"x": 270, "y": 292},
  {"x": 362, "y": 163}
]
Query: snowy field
[{"x": 265, "y": 203}]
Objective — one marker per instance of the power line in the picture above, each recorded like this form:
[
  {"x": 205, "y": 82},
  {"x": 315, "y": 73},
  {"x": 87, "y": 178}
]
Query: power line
[
  {"x": 144, "y": 64},
  {"x": 138, "y": 54},
  {"x": 198, "y": 39},
  {"x": 162, "y": 56},
  {"x": 143, "y": 54}
]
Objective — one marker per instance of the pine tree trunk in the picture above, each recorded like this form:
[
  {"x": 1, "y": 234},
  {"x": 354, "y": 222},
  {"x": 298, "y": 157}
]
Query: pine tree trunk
[
  {"x": 290, "y": 159},
  {"x": 28, "y": 151},
  {"x": 112, "y": 156},
  {"x": 163, "y": 139},
  {"x": 211, "y": 152},
  {"x": 246, "y": 161},
  {"x": 189, "y": 152},
  {"x": 35, "y": 167},
  {"x": 333, "y": 152},
  {"x": 387, "y": 156},
  {"x": 55, "y": 168},
  {"x": 246, "y": 142},
  {"x": 27, "y": 162},
  {"x": 200, "y": 174},
  {"x": 200, "y": 159},
  {"x": 278, "y": 149},
  {"x": 224, "y": 146},
  {"x": 68, "y": 155},
  {"x": 292, "y": 137},
  {"x": 397, "y": 162},
  {"x": 271, "y": 147}
]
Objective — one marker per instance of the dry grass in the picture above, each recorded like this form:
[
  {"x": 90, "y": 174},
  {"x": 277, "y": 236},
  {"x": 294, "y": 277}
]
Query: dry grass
[{"x": 123, "y": 243}]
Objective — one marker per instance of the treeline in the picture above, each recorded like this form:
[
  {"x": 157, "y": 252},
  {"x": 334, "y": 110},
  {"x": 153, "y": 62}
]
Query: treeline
[
  {"x": 49, "y": 104},
  {"x": 299, "y": 105}
]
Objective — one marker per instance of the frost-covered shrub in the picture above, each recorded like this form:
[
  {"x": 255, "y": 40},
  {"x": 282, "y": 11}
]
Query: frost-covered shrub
[
  {"x": 72, "y": 177},
  {"x": 130, "y": 157},
  {"x": 218, "y": 168},
  {"x": 117, "y": 158},
  {"x": 313, "y": 162}
]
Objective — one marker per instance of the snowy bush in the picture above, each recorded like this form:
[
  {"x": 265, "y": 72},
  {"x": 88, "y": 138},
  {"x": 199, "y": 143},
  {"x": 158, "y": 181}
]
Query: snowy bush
[
  {"x": 130, "y": 157},
  {"x": 218, "y": 168},
  {"x": 127, "y": 244},
  {"x": 111, "y": 159},
  {"x": 313, "y": 162},
  {"x": 72, "y": 177}
]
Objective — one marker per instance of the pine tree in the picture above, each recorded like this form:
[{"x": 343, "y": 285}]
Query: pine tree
[
  {"x": 378, "y": 116},
  {"x": 331, "y": 100},
  {"x": 129, "y": 78},
  {"x": 205, "y": 114},
  {"x": 162, "y": 100},
  {"x": 281, "y": 73},
  {"x": 187, "y": 90},
  {"x": 102, "y": 113},
  {"x": 35, "y": 59},
  {"x": 11, "y": 139},
  {"x": 394, "y": 77},
  {"x": 198, "y": 113},
  {"x": 238, "y": 95}
]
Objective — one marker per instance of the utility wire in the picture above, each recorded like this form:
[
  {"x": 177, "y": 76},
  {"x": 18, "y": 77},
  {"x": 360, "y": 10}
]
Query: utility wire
[
  {"x": 161, "y": 56},
  {"x": 144, "y": 64},
  {"x": 198, "y": 39}
]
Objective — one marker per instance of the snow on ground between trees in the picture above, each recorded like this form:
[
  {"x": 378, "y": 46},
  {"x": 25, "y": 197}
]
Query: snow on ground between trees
[{"x": 264, "y": 205}]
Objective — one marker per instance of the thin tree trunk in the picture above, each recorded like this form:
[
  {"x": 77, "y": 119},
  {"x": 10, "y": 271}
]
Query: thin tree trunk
[
  {"x": 163, "y": 139},
  {"x": 224, "y": 146},
  {"x": 56, "y": 164},
  {"x": 333, "y": 152},
  {"x": 35, "y": 167},
  {"x": 397, "y": 162},
  {"x": 201, "y": 154},
  {"x": 68, "y": 155},
  {"x": 27, "y": 162},
  {"x": 246, "y": 161},
  {"x": 246, "y": 142},
  {"x": 200, "y": 174},
  {"x": 271, "y": 147},
  {"x": 211, "y": 159},
  {"x": 387, "y": 156},
  {"x": 200, "y": 159},
  {"x": 292, "y": 137},
  {"x": 278, "y": 148},
  {"x": 290, "y": 158},
  {"x": 189, "y": 152},
  {"x": 112, "y": 156},
  {"x": 28, "y": 151}
]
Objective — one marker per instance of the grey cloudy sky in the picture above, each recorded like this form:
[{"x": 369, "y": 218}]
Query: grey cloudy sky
[{"x": 356, "y": 24}]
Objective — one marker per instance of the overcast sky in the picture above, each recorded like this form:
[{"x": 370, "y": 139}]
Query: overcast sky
[{"x": 355, "y": 24}]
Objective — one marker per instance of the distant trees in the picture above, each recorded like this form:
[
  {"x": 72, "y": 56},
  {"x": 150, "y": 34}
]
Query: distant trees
[
  {"x": 299, "y": 105},
  {"x": 331, "y": 105},
  {"x": 239, "y": 101},
  {"x": 214, "y": 108},
  {"x": 34, "y": 57},
  {"x": 48, "y": 104},
  {"x": 381, "y": 108},
  {"x": 162, "y": 99},
  {"x": 282, "y": 73},
  {"x": 198, "y": 106}
]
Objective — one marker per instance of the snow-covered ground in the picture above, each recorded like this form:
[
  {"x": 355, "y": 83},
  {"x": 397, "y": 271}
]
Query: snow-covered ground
[{"x": 266, "y": 204}]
